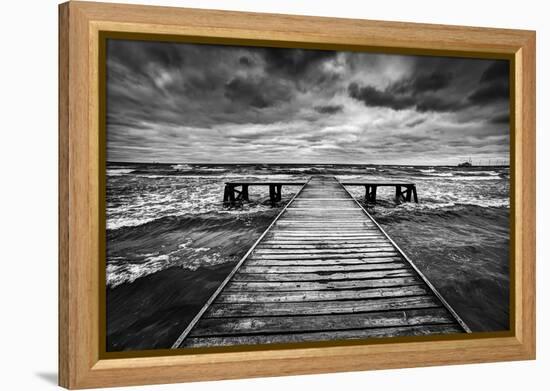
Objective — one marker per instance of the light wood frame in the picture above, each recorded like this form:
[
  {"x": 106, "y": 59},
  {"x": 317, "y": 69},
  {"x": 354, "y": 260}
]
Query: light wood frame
[{"x": 80, "y": 23}]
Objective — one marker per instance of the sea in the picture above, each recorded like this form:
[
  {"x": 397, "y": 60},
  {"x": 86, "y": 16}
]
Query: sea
[{"x": 163, "y": 217}]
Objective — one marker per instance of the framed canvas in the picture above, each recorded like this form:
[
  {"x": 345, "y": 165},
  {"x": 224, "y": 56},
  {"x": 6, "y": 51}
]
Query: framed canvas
[{"x": 247, "y": 195}]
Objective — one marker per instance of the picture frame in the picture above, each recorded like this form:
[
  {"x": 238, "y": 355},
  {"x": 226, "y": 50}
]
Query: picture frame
[{"x": 82, "y": 26}]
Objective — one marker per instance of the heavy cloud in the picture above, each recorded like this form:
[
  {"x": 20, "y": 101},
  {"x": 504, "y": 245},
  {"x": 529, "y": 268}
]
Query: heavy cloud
[{"x": 177, "y": 102}]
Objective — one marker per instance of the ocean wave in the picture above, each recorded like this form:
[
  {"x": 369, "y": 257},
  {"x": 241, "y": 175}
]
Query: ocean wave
[
  {"x": 188, "y": 242},
  {"x": 118, "y": 171},
  {"x": 442, "y": 174}
]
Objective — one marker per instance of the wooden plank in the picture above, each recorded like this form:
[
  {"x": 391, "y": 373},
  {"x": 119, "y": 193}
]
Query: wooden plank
[
  {"x": 288, "y": 239},
  {"x": 390, "y": 252},
  {"x": 325, "y": 235},
  {"x": 322, "y": 336},
  {"x": 314, "y": 242},
  {"x": 320, "y": 268},
  {"x": 239, "y": 286},
  {"x": 322, "y": 245},
  {"x": 313, "y": 323},
  {"x": 320, "y": 307},
  {"x": 320, "y": 261},
  {"x": 352, "y": 294},
  {"x": 312, "y": 276},
  {"x": 317, "y": 250}
]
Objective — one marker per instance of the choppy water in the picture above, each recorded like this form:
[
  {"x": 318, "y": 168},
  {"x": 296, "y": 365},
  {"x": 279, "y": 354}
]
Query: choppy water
[{"x": 162, "y": 215}]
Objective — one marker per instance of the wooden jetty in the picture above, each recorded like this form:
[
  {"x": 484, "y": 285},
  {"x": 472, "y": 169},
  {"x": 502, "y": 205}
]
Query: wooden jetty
[
  {"x": 323, "y": 270},
  {"x": 232, "y": 194},
  {"x": 404, "y": 192}
]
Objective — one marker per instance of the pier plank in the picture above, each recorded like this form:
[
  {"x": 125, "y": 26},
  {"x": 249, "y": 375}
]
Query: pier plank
[
  {"x": 320, "y": 307},
  {"x": 323, "y": 336}
]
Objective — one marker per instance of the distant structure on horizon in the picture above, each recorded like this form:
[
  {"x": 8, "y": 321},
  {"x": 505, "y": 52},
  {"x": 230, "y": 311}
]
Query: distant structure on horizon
[{"x": 466, "y": 164}]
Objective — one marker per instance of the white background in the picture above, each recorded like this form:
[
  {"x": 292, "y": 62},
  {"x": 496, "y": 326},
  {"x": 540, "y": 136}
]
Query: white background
[{"x": 28, "y": 131}]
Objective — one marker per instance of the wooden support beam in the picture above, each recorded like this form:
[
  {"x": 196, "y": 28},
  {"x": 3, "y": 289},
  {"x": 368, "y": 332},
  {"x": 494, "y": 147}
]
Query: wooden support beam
[
  {"x": 272, "y": 196},
  {"x": 398, "y": 194},
  {"x": 370, "y": 193},
  {"x": 244, "y": 193}
]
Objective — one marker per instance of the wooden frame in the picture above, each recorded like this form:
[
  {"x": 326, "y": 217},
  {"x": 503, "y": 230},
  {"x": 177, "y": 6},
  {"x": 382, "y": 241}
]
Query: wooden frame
[{"x": 81, "y": 364}]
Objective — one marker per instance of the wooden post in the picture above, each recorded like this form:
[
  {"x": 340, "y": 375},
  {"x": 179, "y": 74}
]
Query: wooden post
[
  {"x": 409, "y": 193},
  {"x": 244, "y": 193},
  {"x": 226, "y": 195},
  {"x": 373, "y": 194},
  {"x": 367, "y": 193},
  {"x": 232, "y": 194},
  {"x": 279, "y": 188},
  {"x": 397, "y": 193},
  {"x": 414, "y": 194},
  {"x": 272, "y": 194}
]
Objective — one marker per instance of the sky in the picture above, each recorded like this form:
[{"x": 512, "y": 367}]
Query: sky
[{"x": 190, "y": 103}]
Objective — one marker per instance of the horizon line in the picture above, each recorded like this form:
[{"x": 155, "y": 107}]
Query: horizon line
[{"x": 309, "y": 163}]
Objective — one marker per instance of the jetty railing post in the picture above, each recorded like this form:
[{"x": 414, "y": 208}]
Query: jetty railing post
[
  {"x": 229, "y": 195},
  {"x": 409, "y": 193},
  {"x": 244, "y": 193},
  {"x": 414, "y": 193},
  {"x": 226, "y": 195},
  {"x": 397, "y": 193},
  {"x": 373, "y": 194},
  {"x": 367, "y": 193},
  {"x": 232, "y": 195},
  {"x": 279, "y": 187},
  {"x": 272, "y": 194}
]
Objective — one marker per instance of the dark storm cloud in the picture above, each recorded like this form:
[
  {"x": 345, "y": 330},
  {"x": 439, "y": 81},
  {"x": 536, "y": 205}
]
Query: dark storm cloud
[
  {"x": 498, "y": 70},
  {"x": 418, "y": 84},
  {"x": 256, "y": 93},
  {"x": 503, "y": 118},
  {"x": 371, "y": 96},
  {"x": 183, "y": 102},
  {"x": 294, "y": 62},
  {"x": 494, "y": 84},
  {"x": 489, "y": 93},
  {"x": 329, "y": 109}
]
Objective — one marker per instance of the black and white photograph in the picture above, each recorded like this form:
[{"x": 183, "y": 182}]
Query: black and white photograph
[{"x": 265, "y": 195}]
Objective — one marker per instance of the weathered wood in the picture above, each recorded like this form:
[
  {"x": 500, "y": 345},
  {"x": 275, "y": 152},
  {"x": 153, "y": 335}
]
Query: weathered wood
[
  {"x": 352, "y": 294},
  {"x": 321, "y": 307},
  {"x": 337, "y": 276},
  {"x": 323, "y": 245},
  {"x": 388, "y": 253},
  {"x": 321, "y": 261},
  {"x": 308, "y": 323},
  {"x": 320, "y": 269},
  {"x": 239, "y": 286},
  {"x": 322, "y": 336},
  {"x": 324, "y": 242},
  {"x": 314, "y": 251},
  {"x": 371, "y": 187}
]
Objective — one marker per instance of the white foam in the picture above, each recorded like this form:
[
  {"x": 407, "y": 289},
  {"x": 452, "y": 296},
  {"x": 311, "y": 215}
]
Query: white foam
[{"x": 118, "y": 171}]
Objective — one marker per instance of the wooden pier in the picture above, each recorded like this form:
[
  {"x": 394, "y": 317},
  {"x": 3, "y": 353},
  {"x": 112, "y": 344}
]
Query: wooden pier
[
  {"x": 404, "y": 192},
  {"x": 232, "y": 194},
  {"x": 323, "y": 270}
]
